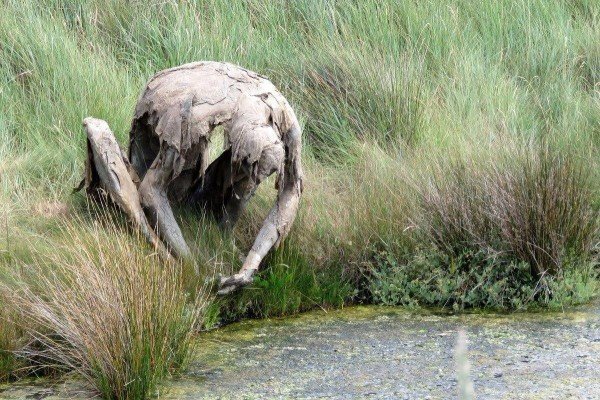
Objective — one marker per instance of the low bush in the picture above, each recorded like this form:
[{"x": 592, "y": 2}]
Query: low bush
[
  {"x": 432, "y": 278},
  {"x": 469, "y": 280},
  {"x": 503, "y": 234}
]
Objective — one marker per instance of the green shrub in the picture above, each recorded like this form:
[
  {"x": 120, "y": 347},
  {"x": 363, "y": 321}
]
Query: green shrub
[
  {"x": 475, "y": 280},
  {"x": 433, "y": 278},
  {"x": 503, "y": 234}
]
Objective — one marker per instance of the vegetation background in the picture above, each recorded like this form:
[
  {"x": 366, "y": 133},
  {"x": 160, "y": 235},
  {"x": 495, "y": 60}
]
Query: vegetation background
[{"x": 451, "y": 149}]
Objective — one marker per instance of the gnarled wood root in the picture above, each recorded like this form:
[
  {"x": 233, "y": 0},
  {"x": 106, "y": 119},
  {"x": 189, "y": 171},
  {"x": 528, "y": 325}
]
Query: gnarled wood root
[
  {"x": 172, "y": 126},
  {"x": 107, "y": 171}
]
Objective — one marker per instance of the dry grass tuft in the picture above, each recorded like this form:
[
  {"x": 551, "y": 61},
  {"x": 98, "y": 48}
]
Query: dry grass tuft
[
  {"x": 111, "y": 312},
  {"x": 533, "y": 205}
]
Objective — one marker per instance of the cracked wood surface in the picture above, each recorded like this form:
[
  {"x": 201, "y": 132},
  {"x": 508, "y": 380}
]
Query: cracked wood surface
[
  {"x": 108, "y": 170},
  {"x": 173, "y": 123}
]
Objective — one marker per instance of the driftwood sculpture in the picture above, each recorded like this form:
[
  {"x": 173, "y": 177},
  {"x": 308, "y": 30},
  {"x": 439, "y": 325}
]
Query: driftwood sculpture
[{"x": 168, "y": 157}]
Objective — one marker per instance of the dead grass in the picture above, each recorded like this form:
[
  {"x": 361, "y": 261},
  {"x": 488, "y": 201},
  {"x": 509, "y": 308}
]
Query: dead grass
[
  {"x": 533, "y": 205},
  {"x": 110, "y": 311}
]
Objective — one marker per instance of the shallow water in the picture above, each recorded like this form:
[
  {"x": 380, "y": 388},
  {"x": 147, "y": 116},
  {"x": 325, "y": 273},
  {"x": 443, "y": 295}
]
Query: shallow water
[{"x": 383, "y": 353}]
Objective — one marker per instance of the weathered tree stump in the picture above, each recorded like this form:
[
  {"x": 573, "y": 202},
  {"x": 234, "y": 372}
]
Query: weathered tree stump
[{"x": 168, "y": 157}]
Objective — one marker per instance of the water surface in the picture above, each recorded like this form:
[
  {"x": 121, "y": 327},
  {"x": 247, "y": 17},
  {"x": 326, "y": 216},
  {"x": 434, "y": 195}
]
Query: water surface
[{"x": 383, "y": 353}]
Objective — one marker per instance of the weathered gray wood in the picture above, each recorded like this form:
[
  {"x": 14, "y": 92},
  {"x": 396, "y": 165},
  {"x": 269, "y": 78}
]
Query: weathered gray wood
[
  {"x": 171, "y": 130},
  {"x": 106, "y": 169}
]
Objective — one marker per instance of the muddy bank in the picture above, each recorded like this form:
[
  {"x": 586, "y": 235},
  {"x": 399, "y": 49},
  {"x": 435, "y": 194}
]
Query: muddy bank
[{"x": 377, "y": 352}]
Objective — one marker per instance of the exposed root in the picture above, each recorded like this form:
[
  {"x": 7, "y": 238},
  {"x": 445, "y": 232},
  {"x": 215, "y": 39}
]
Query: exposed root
[{"x": 171, "y": 129}]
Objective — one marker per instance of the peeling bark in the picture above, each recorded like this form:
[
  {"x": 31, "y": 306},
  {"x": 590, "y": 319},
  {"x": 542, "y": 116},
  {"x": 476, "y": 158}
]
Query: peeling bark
[
  {"x": 169, "y": 138},
  {"x": 108, "y": 171}
]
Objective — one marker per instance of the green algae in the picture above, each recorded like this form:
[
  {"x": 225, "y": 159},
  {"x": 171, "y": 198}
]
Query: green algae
[{"x": 383, "y": 352}]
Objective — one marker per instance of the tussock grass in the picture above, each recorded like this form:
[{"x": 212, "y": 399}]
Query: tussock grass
[
  {"x": 533, "y": 205},
  {"x": 506, "y": 229},
  {"x": 10, "y": 339},
  {"x": 111, "y": 312}
]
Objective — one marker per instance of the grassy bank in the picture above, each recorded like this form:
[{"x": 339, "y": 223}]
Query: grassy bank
[{"x": 450, "y": 147}]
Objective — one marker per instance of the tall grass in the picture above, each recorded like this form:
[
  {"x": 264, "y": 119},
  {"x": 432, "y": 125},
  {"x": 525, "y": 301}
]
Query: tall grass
[
  {"x": 533, "y": 205},
  {"x": 424, "y": 126},
  {"x": 10, "y": 339},
  {"x": 114, "y": 314},
  {"x": 503, "y": 229}
]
